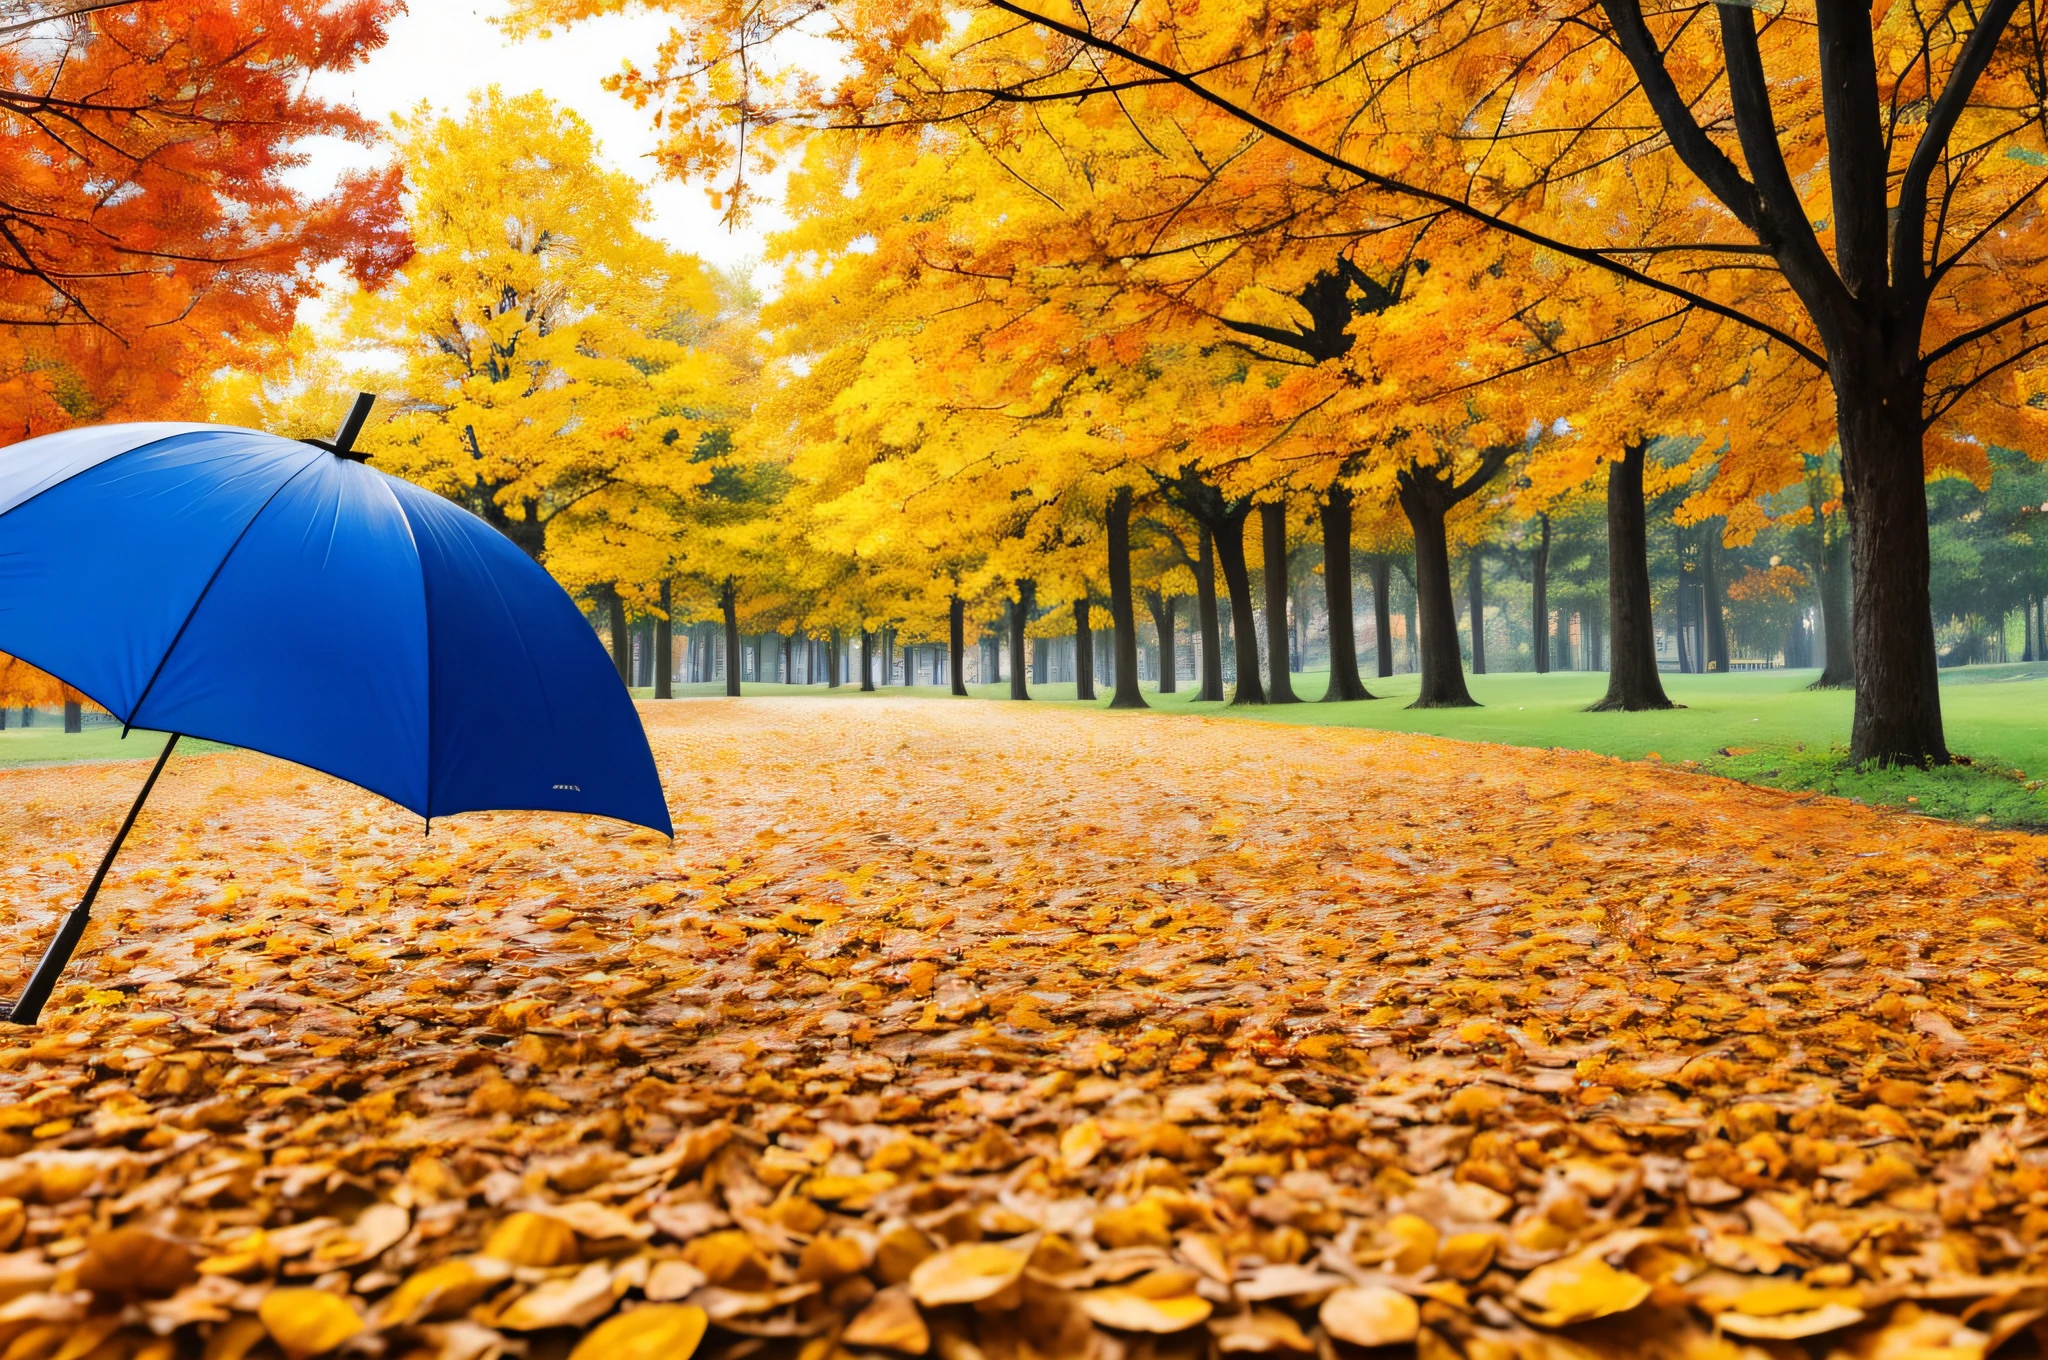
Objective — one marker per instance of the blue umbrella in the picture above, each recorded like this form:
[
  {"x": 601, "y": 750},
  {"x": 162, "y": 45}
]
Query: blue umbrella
[{"x": 283, "y": 596}]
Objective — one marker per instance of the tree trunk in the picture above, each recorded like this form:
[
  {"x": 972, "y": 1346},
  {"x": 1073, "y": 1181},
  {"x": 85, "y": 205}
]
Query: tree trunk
[
  {"x": 1020, "y": 619},
  {"x": 1898, "y": 687},
  {"x": 1084, "y": 652},
  {"x": 622, "y": 647},
  {"x": 1475, "y": 605},
  {"x": 835, "y": 648},
  {"x": 1838, "y": 640},
  {"x": 1346, "y": 684},
  {"x": 1633, "y": 685},
  {"x": 1160, "y": 605},
  {"x": 729, "y": 603},
  {"x": 1244, "y": 627},
  {"x": 1539, "y": 595},
  {"x": 1443, "y": 670},
  {"x": 1273, "y": 533},
  {"x": 665, "y": 646},
  {"x": 1714, "y": 634},
  {"x": 1383, "y": 613},
  {"x": 1123, "y": 610},
  {"x": 956, "y": 645},
  {"x": 1211, "y": 681},
  {"x": 74, "y": 716},
  {"x": 867, "y": 661},
  {"x": 1562, "y": 651}
]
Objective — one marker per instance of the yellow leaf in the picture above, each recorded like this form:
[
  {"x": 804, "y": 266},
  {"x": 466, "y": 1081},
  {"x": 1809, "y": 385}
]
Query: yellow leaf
[
  {"x": 530, "y": 1239},
  {"x": 658, "y": 1331},
  {"x": 966, "y": 1274},
  {"x": 1579, "y": 1288},
  {"x": 307, "y": 1322},
  {"x": 1130, "y": 1311}
]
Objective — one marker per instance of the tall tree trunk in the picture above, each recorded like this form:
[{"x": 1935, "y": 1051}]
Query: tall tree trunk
[
  {"x": 1084, "y": 652},
  {"x": 835, "y": 646},
  {"x": 1273, "y": 535},
  {"x": 1898, "y": 686},
  {"x": 665, "y": 645},
  {"x": 1714, "y": 612},
  {"x": 622, "y": 647},
  {"x": 1562, "y": 650},
  {"x": 1123, "y": 610},
  {"x": 1383, "y": 612},
  {"x": 1211, "y": 681},
  {"x": 1346, "y": 684},
  {"x": 1160, "y": 605},
  {"x": 956, "y": 645},
  {"x": 867, "y": 661},
  {"x": 1838, "y": 640},
  {"x": 1020, "y": 619},
  {"x": 729, "y": 604},
  {"x": 1633, "y": 685},
  {"x": 1443, "y": 669},
  {"x": 74, "y": 716},
  {"x": 1244, "y": 627},
  {"x": 1539, "y": 595},
  {"x": 1475, "y": 605}
]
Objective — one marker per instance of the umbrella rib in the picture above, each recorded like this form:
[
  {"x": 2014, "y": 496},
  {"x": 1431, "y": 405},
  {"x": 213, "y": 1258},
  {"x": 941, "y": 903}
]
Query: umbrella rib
[{"x": 135, "y": 709}]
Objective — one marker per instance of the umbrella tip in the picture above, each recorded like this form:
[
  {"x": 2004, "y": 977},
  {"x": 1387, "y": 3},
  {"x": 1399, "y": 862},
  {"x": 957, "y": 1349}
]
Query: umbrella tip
[{"x": 352, "y": 425}]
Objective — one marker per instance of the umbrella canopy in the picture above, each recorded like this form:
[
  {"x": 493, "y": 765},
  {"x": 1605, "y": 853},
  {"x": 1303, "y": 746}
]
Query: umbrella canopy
[
  {"x": 284, "y": 596},
  {"x": 267, "y": 593}
]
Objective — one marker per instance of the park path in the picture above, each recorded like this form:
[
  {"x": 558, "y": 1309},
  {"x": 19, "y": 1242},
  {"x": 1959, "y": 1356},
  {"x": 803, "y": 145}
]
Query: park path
[{"x": 1222, "y": 997}]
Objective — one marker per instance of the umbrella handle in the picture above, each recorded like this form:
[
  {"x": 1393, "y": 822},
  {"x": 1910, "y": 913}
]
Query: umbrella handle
[{"x": 28, "y": 1009}]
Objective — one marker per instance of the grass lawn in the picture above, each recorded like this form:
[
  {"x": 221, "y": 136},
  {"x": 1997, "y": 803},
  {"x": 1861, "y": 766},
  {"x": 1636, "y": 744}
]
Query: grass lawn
[
  {"x": 50, "y": 745},
  {"x": 1760, "y": 726}
]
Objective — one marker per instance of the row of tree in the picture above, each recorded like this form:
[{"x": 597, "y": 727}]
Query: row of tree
[{"x": 1421, "y": 274}]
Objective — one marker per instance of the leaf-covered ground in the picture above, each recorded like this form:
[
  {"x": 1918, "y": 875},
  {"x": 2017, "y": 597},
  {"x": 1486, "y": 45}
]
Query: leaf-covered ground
[{"x": 979, "y": 1031}]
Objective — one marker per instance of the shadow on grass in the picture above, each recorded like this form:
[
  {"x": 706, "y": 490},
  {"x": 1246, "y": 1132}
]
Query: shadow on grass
[{"x": 1982, "y": 792}]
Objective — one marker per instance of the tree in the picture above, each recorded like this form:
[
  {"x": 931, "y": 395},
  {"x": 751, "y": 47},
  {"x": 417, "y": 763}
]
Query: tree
[
  {"x": 547, "y": 342},
  {"x": 148, "y": 235}
]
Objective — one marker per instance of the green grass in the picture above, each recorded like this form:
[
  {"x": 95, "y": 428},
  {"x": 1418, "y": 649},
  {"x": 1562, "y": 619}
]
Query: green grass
[
  {"x": 52, "y": 745},
  {"x": 1763, "y": 727}
]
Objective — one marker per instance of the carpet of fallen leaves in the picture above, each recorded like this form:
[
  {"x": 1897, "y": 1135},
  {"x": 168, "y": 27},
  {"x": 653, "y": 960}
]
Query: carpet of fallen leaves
[{"x": 981, "y": 1031}]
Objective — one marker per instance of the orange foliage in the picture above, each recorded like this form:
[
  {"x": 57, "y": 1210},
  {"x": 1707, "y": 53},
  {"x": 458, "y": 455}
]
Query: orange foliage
[
  {"x": 1339, "y": 1024},
  {"x": 146, "y": 229}
]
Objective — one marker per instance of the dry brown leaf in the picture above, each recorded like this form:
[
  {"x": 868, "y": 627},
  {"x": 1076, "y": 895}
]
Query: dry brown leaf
[
  {"x": 891, "y": 1322},
  {"x": 1370, "y": 1315}
]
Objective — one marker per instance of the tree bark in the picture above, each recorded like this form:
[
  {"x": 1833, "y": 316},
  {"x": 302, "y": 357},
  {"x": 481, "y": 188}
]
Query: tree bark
[
  {"x": 1898, "y": 693},
  {"x": 622, "y": 647},
  {"x": 1475, "y": 605},
  {"x": 1383, "y": 612},
  {"x": 1838, "y": 657},
  {"x": 867, "y": 661},
  {"x": 1346, "y": 685},
  {"x": 729, "y": 604},
  {"x": 835, "y": 650},
  {"x": 1123, "y": 610},
  {"x": 1243, "y": 621},
  {"x": 1020, "y": 619},
  {"x": 1714, "y": 615},
  {"x": 1084, "y": 652},
  {"x": 1443, "y": 670},
  {"x": 1539, "y": 595},
  {"x": 1160, "y": 605},
  {"x": 1633, "y": 684},
  {"x": 665, "y": 645},
  {"x": 74, "y": 716},
  {"x": 1210, "y": 689},
  {"x": 1273, "y": 535},
  {"x": 956, "y": 645}
]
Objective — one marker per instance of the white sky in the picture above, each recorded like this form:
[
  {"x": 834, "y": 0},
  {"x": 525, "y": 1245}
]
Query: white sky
[{"x": 443, "y": 49}]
